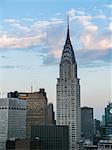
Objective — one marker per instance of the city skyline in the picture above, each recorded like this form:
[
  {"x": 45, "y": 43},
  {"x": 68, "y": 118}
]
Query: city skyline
[{"x": 32, "y": 35}]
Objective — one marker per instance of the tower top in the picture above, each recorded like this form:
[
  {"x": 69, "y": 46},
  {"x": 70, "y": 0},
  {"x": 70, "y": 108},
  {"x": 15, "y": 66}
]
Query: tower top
[
  {"x": 68, "y": 32},
  {"x": 68, "y": 49},
  {"x": 68, "y": 21}
]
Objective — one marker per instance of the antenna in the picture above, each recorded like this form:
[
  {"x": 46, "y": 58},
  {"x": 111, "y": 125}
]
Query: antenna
[
  {"x": 68, "y": 20},
  {"x": 68, "y": 34}
]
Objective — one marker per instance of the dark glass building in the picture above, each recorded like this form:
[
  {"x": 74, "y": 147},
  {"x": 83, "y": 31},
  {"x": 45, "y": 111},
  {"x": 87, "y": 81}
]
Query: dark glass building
[
  {"x": 106, "y": 129},
  {"x": 108, "y": 115},
  {"x": 52, "y": 137},
  {"x": 87, "y": 122},
  {"x": 97, "y": 125}
]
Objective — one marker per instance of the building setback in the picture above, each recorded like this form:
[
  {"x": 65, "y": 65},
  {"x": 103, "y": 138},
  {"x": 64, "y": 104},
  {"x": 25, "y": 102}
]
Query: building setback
[
  {"x": 52, "y": 137},
  {"x": 68, "y": 94},
  {"x": 16, "y": 94},
  {"x": 12, "y": 120},
  {"x": 87, "y": 122}
]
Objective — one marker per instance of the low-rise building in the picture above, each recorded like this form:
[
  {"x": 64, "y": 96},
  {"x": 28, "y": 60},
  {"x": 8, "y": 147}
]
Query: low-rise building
[
  {"x": 105, "y": 144},
  {"x": 24, "y": 144}
]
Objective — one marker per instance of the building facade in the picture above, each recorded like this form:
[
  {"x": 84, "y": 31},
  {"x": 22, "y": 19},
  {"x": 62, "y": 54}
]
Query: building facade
[
  {"x": 12, "y": 120},
  {"x": 39, "y": 112},
  {"x": 68, "y": 94},
  {"x": 50, "y": 114},
  {"x": 87, "y": 122},
  {"x": 108, "y": 115},
  {"x": 36, "y": 110},
  {"x": 23, "y": 144},
  {"x": 52, "y": 137},
  {"x": 106, "y": 128},
  {"x": 16, "y": 94},
  {"x": 105, "y": 144},
  {"x": 97, "y": 125}
]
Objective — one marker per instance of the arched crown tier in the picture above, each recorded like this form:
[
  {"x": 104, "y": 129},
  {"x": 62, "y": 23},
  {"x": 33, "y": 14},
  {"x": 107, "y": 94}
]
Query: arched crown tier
[{"x": 68, "y": 52}]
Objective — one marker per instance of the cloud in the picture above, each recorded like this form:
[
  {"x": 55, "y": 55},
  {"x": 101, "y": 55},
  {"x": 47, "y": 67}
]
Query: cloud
[
  {"x": 17, "y": 24},
  {"x": 72, "y": 13},
  {"x": 90, "y": 40},
  {"x": 94, "y": 47},
  {"x": 23, "y": 42},
  {"x": 14, "y": 67},
  {"x": 48, "y": 37},
  {"x": 110, "y": 27},
  {"x": 94, "y": 55},
  {"x": 23, "y": 36},
  {"x": 108, "y": 6},
  {"x": 91, "y": 28},
  {"x": 12, "y": 21},
  {"x": 43, "y": 26},
  {"x": 99, "y": 16}
]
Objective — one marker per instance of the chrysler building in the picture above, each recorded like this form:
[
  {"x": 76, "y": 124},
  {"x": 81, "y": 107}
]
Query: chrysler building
[{"x": 68, "y": 94}]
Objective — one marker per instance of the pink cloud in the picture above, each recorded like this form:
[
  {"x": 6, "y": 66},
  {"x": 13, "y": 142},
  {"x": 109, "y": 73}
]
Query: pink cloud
[{"x": 23, "y": 42}]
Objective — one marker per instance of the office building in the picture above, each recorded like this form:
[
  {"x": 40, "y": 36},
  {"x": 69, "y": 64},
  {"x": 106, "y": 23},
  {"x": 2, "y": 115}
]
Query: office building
[
  {"x": 87, "y": 122},
  {"x": 97, "y": 125},
  {"x": 12, "y": 120},
  {"x": 50, "y": 114},
  {"x": 108, "y": 115},
  {"x": 68, "y": 94},
  {"x": 52, "y": 137},
  {"x": 103, "y": 120},
  {"x": 38, "y": 110},
  {"x": 106, "y": 129}
]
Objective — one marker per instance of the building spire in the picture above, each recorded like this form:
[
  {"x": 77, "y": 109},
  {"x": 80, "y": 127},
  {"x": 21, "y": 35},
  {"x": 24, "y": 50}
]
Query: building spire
[
  {"x": 68, "y": 22},
  {"x": 68, "y": 45},
  {"x": 68, "y": 33}
]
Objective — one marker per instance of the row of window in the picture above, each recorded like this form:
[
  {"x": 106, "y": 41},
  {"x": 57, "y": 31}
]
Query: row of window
[{"x": 12, "y": 108}]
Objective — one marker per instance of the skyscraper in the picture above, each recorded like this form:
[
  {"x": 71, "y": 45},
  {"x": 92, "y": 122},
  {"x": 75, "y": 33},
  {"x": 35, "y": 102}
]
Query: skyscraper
[{"x": 68, "y": 94}]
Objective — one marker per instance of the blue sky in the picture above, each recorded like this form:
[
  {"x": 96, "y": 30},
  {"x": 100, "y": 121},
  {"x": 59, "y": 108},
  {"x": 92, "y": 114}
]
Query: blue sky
[{"x": 32, "y": 36}]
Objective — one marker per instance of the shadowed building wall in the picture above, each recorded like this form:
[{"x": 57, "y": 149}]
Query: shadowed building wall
[{"x": 52, "y": 137}]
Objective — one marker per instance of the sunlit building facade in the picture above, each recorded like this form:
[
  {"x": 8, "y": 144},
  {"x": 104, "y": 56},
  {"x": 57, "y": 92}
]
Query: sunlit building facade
[{"x": 68, "y": 95}]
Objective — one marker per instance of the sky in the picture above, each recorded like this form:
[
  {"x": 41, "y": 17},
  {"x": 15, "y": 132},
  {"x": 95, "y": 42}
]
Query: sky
[{"x": 32, "y": 36}]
